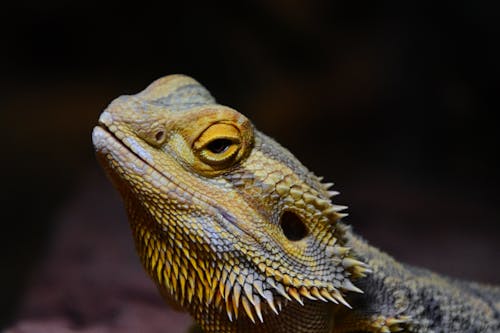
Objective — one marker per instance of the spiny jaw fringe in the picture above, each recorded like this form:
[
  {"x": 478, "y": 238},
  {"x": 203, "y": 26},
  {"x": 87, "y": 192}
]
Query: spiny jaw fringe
[{"x": 256, "y": 297}]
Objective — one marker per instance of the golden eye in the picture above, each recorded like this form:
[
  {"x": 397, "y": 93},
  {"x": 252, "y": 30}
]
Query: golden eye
[{"x": 218, "y": 145}]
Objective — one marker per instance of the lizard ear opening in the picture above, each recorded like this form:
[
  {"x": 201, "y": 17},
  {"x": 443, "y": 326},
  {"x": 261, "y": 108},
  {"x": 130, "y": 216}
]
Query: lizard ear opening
[{"x": 293, "y": 227}]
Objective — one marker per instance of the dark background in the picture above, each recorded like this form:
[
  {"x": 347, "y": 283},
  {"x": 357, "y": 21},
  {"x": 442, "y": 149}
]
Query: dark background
[{"x": 394, "y": 102}]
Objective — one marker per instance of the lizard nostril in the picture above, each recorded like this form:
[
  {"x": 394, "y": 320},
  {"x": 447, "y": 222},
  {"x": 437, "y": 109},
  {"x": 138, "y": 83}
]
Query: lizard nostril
[
  {"x": 293, "y": 227},
  {"x": 159, "y": 136}
]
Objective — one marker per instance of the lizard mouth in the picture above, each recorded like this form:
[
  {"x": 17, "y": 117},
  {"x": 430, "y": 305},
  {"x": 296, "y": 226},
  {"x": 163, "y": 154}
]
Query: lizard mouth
[{"x": 107, "y": 141}]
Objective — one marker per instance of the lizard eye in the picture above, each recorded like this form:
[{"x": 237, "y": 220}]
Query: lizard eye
[{"x": 218, "y": 145}]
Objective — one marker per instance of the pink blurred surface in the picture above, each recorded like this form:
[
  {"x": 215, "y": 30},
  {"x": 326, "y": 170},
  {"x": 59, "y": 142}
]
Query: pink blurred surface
[{"x": 91, "y": 279}]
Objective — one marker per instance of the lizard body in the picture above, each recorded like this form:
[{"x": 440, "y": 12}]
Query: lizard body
[{"x": 235, "y": 230}]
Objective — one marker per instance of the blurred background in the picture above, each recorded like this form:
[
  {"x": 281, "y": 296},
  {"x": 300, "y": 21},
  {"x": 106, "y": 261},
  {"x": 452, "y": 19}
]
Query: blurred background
[{"x": 396, "y": 102}]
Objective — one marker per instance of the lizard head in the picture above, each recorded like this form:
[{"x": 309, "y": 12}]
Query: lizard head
[{"x": 221, "y": 214}]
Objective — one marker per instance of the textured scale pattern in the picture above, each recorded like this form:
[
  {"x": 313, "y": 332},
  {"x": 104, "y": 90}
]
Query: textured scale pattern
[{"x": 234, "y": 229}]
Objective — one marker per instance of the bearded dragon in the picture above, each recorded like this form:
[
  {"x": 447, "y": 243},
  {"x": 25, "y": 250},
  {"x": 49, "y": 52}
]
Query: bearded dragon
[{"x": 235, "y": 230}]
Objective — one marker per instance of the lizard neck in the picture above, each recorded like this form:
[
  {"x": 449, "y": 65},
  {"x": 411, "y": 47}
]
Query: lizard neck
[
  {"x": 313, "y": 316},
  {"x": 159, "y": 256}
]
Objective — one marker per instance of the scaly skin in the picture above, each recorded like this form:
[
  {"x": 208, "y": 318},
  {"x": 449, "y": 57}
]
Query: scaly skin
[{"x": 235, "y": 230}]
